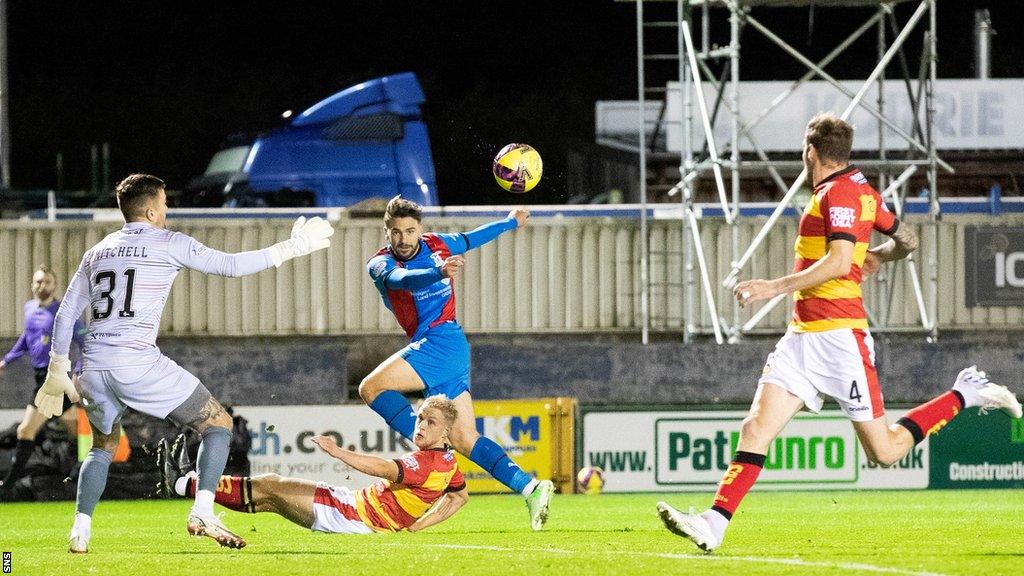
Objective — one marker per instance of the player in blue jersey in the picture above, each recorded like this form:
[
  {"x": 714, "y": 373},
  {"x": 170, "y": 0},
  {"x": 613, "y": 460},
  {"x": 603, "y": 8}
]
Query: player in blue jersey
[
  {"x": 35, "y": 342},
  {"x": 414, "y": 275}
]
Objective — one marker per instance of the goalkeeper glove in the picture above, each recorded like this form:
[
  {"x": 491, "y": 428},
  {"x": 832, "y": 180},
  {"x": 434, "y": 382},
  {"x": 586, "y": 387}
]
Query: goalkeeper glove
[
  {"x": 50, "y": 398},
  {"x": 307, "y": 236}
]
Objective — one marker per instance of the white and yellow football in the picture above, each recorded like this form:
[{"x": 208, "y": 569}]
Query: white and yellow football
[{"x": 518, "y": 168}]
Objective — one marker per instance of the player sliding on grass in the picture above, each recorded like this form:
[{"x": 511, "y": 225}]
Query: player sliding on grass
[
  {"x": 124, "y": 280},
  {"x": 403, "y": 500},
  {"x": 828, "y": 350},
  {"x": 414, "y": 276}
]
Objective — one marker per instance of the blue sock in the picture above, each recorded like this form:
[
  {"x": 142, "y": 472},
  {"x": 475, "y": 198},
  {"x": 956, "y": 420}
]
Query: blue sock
[
  {"x": 213, "y": 456},
  {"x": 492, "y": 458},
  {"x": 92, "y": 479},
  {"x": 396, "y": 411}
]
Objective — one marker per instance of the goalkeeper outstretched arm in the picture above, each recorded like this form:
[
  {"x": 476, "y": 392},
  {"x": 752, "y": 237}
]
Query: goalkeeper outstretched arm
[{"x": 307, "y": 236}]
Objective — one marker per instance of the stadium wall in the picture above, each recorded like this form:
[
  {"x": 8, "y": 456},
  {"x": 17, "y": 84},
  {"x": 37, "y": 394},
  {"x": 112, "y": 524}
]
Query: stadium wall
[
  {"x": 597, "y": 369},
  {"x": 556, "y": 275}
]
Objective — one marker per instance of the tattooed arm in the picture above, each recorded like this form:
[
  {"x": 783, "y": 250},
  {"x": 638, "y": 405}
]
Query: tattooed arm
[
  {"x": 899, "y": 246},
  {"x": 902, "y": 242}
]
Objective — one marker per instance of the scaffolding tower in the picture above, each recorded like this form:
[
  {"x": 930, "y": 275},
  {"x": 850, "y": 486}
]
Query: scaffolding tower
[{"x": 694, "y": 70}]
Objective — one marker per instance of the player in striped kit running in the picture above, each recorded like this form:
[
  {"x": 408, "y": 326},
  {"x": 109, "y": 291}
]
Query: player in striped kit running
[
  {"x": 828, "y": 351},
  {"x": 124, "y": 280}
]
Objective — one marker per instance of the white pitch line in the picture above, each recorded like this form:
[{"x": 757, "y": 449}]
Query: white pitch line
[{"x": 850, "y": 566}]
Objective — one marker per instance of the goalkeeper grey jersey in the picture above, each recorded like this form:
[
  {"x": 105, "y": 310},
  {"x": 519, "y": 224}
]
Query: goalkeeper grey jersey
[{"x": 123, "y": 283}]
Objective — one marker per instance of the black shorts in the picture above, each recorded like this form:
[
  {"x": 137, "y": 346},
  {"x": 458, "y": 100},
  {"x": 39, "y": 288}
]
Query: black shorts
[{"x": 40, "y": 378}]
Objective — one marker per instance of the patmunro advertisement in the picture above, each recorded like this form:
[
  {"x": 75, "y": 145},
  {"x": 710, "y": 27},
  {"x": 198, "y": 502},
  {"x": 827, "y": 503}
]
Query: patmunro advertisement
[{"x": 689, "y": 451}]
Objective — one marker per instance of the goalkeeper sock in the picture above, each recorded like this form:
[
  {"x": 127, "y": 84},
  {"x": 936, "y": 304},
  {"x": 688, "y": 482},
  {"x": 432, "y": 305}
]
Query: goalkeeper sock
[
  {"x": 233, "y": 492},
  {"x": 738, "y": 480},
  {"x": 213, "y": 456},
  {"x": 396, "y": 411},
  {"x": 492, "y": 458},
  {"x": 92, "y": 479},
  {"x": 930, "y": 417}
]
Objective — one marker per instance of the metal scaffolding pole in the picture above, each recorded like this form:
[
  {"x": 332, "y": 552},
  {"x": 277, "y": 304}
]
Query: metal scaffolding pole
[
  {"x": 734, "y": 153},
  {"x": 705, "y": 277},
  {"x": 685, "y": 165},
  {"x": 839, "y": 86},
  {"x": 778, "y": 100},
  {"x": 5, "y": 125},
  {"x": 911, "y": 266},
  {"x": 882, "y": 183},
  {"x": 730, "y": 280},
  {"x": 693, "y": 69},
  {"x": 933, "y": 172},
  {"x": 642, "y": 123},
  {"x": 709, "y": 133}
]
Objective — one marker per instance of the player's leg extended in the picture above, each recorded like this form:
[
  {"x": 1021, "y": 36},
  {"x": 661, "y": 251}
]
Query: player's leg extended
[
  {"x": 291, "y": 498},
  {"x": 202, "y": 412},
  {"x": 104, "y": 411},
  {"x": 886, "y": 444},
  {"x": 92, "y": 479},
  {"x": 487, "y": 454},
  {"x": 383, "y": 389},
  {"x": 28, "y": 429},
  {"x": 773, "y": 407}
]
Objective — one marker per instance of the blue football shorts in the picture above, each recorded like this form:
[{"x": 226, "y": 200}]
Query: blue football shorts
[{"x": 441, "y": 358}]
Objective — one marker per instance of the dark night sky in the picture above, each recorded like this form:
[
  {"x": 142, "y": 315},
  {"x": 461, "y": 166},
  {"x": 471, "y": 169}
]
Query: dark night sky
[{"x": 165, "y": 82}]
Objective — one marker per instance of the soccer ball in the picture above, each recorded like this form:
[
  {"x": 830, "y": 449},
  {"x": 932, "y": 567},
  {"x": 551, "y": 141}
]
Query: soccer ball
[
  {"x": 590, "y": 479},
  {"x": 517, "y": 168}
]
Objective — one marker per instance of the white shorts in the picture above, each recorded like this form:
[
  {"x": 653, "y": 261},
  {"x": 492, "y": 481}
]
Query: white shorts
[
  {"x": 837, "y": 363},
  {"x": 155, "y": 390},
  {"x": 334, "y": 511}
]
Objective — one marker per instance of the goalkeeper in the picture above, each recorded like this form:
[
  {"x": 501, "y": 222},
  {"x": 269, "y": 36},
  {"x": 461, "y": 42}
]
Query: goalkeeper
[{"x": 124, "y": 281}]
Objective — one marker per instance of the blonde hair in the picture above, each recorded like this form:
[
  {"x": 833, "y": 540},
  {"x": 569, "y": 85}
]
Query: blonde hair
[{"x": 443, "y": 405}]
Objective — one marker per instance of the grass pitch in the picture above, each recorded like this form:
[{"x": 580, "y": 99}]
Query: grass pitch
[{"x": 920, "y": 532}]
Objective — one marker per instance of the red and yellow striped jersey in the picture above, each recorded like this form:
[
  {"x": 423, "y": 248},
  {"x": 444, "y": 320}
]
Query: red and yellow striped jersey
[
  {"x": 843, "y": 207},
  {"x": 423, "y": 477}
]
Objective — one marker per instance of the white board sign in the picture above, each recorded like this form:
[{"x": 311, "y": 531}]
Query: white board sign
[
  {"x": 690, "y": 451},
  {"x": 970, "y": 114}
]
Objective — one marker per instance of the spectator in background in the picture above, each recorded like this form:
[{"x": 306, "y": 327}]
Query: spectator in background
[{"x": 35, "y": 342}]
